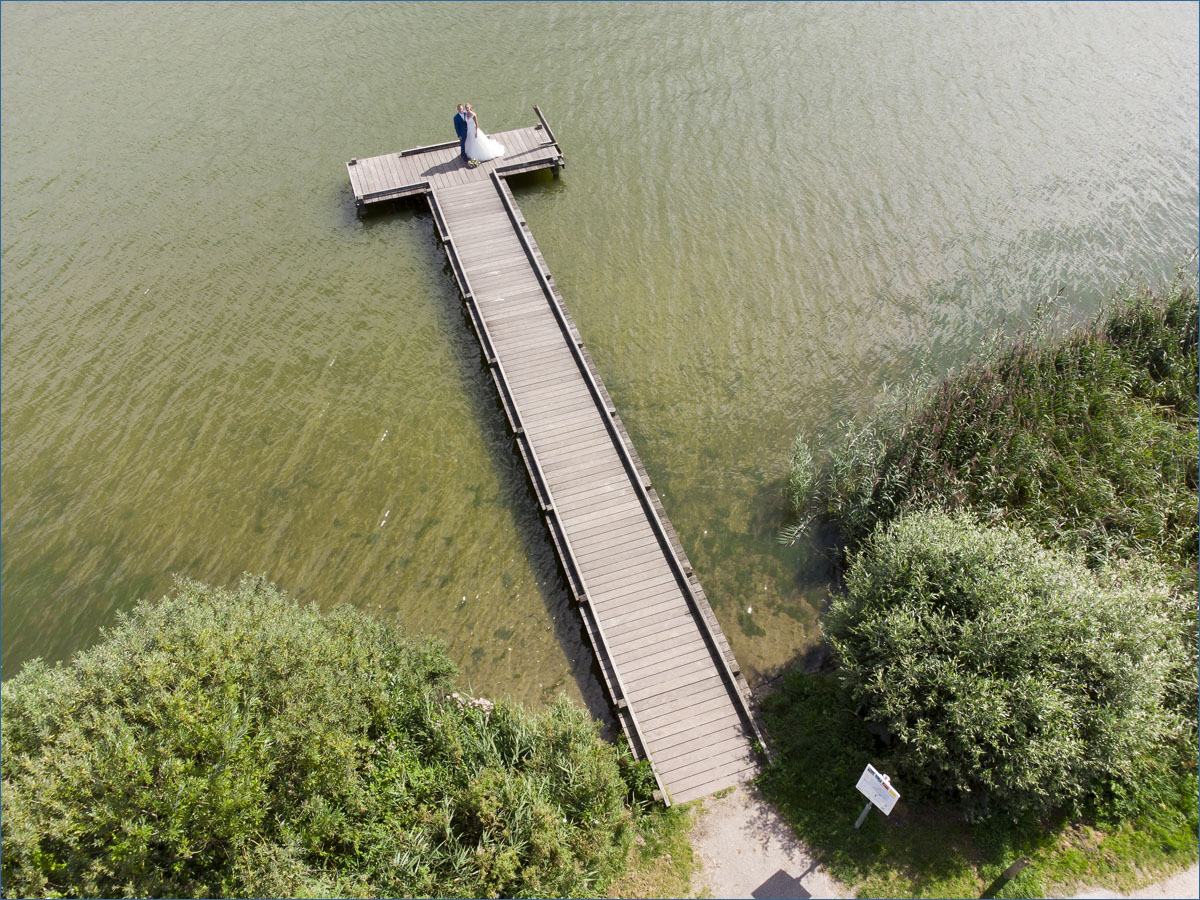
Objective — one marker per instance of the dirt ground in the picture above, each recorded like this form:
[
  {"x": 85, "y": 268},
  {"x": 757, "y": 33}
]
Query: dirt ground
[{"x": 746, "y": 849}]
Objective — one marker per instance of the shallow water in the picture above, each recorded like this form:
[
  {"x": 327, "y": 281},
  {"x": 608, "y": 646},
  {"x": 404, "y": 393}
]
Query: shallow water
[{"x": 770, "y": 212}]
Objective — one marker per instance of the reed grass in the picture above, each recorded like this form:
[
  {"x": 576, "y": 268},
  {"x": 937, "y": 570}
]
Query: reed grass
[{"x": 1090, "y": 439}]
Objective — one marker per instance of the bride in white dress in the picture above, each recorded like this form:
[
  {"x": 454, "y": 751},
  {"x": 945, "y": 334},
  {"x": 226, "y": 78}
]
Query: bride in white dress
[{"x": 479, "y": 146}]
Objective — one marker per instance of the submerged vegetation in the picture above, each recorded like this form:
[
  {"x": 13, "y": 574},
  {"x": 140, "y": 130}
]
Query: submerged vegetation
[
  {"x": 1017, "y": 640},
  {"x": 232, "y": 743}
]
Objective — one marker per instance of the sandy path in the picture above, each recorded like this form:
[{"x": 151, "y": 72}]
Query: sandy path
[{"x": 746, "y": 849}]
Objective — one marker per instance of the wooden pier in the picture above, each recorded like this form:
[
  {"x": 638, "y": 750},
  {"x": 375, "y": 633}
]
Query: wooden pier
[{"x": 668, "y": 670}]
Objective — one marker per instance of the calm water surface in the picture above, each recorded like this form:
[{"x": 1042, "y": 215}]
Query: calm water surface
[{"x": 770, "y": 212}]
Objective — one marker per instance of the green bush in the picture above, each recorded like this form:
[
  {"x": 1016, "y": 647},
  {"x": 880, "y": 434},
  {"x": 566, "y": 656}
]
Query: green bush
[
  {"x": 232, "y": 743},
  {"x": 1009, "y": 676}
]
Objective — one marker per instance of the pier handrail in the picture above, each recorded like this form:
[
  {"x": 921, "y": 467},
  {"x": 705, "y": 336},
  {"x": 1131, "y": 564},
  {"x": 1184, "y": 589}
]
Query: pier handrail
[
  {"x": 537, "y": 109},
  {"x": 606, "y": 414},
  {"x": 549, "y": 505}
]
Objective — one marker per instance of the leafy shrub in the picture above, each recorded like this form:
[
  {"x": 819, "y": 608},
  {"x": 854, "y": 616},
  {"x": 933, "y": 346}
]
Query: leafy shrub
[
  {"x": 232, "y": 743},
  {"x": 1008, "y": 676}
]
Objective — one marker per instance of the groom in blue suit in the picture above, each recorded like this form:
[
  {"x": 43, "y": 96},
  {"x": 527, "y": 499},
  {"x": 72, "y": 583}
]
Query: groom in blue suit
[{"x": 460, "y": 128}]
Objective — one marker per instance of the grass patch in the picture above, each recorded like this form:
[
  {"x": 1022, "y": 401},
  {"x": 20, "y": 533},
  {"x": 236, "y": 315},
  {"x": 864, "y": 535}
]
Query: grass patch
[
  {"x": 930, "y": 850},
  {"x": 661, "y": 860}
]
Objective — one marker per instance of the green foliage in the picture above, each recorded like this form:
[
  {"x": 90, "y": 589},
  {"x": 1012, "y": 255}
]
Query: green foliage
[
  {"x": 1009, "y": 676},
  {"x": 231, "y": 743},
  {"x": 800, "y": 482},
  {"x": 926, "y": 850},
  {"x": 1090, "y": 439},
  {"x": 978, "y": 665}
]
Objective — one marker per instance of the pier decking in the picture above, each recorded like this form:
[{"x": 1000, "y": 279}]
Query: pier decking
[{"x": 672, "y": 679}]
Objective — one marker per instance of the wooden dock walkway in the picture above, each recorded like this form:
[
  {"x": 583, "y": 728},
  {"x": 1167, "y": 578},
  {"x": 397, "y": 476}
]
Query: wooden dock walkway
[{"x": 667, "y": 667}]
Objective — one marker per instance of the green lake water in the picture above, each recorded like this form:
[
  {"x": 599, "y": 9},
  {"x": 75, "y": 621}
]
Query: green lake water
[{"x": 770, "y": 212}]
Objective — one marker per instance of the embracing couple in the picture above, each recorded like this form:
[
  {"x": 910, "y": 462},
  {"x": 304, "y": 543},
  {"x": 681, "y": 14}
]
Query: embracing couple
[{"x": 476, "y": 146}]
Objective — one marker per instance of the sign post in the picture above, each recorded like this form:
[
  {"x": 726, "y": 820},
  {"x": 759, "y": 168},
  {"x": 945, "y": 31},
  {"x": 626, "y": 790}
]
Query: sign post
[{"x": 878, "y": 790}]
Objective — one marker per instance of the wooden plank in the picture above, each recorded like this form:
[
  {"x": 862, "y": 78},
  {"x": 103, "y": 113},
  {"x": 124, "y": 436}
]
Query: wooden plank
[
  {"x": 552, "y": 440},
  {"x": 579, "y": 494},
  {"x": 679, "y": 637},
  {"x": 689, "y": 770},
  {"x": 502, "y": 284},
  {"x": 670, "y": 616},
  {"x": 482, "y": 257},
  {"x": 664, "y": 662},
  {"x": 695, "y": 687},
  {"x": 618, "y": 602},
  {"x": 552, "y": 410},
  {"x": 559, "y": 365},
  {"x": 541, "y": 355},
  {"x": 619, "y": 584},
  {"x": 718, "y": 739},
  {"x": 717, "y": 747},
  {"x": 632, "y": 518},
  {"x": 483, "y": 203},
  {"x": 480, "y": 231},
  {"x": 389, "y": 172},
  {"x": 659, "y": 607},
  {"x": 665, "y": 719},
  {"x": 665, "y": 730},
  {"x": 544, "y": 403},
  {"x": 635, "y": 541},
  {"x": 541, "y": 319},
  {"x": 617, "y": 581},
  {"x": 562, "y": 465},
  {"x": 590, "y": 446},
  {"x": 593, "y": 446},
  {"x": 631, "y": 632},
  {"x": 550, "y": 407},
  {"x": 516, "y": 334},
  {"x": 477, "y": 231},
  {"x": 355, "y": 183},
  {"x": 581, "y": 497},
  {"x": 613, "y": 604},
  {"x": 514, "y": 265},
  {"x": 698, "y": 782},
  {"x": 630, "y": 549},
  {"x": 499, "y": 305},
  {"x": 600, "y": 514},
  {"x": 366, "y": 173},
  {"x": 470, "y": 212},
  {"x": 703, "y": 789},
  {"x": 558, "y": 375},
  {"x": 520, "y": 287},
  {"x": 554, "y": 378},
  {"x": 564, "y": 482},
  {"x": 378, "y": 175},
  {"x": 569, "y": 424},
  {"x": 629, "y": 558}
]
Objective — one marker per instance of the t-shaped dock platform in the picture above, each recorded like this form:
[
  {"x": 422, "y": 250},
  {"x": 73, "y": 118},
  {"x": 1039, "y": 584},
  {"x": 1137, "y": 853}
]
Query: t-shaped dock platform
[{"x": 673, "y": 681}]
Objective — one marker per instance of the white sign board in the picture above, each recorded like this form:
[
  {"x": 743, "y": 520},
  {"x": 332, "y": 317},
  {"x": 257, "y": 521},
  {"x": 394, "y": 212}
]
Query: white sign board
[{"x": 878, "y": 789}]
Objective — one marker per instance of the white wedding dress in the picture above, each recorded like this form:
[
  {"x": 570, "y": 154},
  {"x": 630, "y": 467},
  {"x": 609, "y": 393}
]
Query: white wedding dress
[{"x": 479, "y": 146}]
